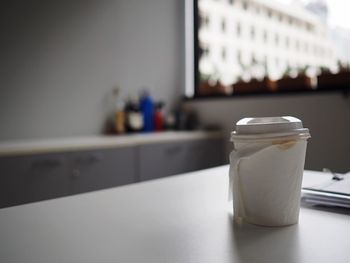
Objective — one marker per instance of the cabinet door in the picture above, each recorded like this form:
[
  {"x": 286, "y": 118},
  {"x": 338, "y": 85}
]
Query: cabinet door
[
  {"x": 32, "y": 178},
  {"x": 205, "y": 153},
  {"x": 98, "y": 169},
  {"x": 162, "y": 159}
]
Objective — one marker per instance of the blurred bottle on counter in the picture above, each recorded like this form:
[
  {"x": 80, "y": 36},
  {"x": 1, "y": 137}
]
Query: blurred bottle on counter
[
  {"x": 119, "y": 112},
  {"x": 159, "y": 117},
  {"x": 187, "y": 119},
  {"x": 170, "y": 121},
  {"x": 134, "y": 116},
  {"x": 147, "y": 109},
  {"x": 192, "y": 120}
]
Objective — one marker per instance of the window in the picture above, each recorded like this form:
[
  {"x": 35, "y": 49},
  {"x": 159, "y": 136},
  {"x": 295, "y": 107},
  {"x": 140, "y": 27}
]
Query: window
[
  {"x": 239, "y": 57},
  {"x": 254, "y": 60},
  {"x": 269, "y": 13},
  {"x": 223, "y": 53},
  {"x": 257, "y": 10},
  {"x": 205, "y": 20},
  {"x": 252, "y": 32},
  {"x": 238, "y": 29},
  {"x": 280, "y": 17},
  {"x": 277, "y": 39},
  {"x": 223, "y": 25},
  {"x": 205, "y": 51},
  {"x": 245, "y": 5},
  {"x": 282, "y": 43},
  {"x": 287, "y": 42},
  {"x": 265, "y": 36},
  {"x": 308, "y": 27},
  {"x": 297, "y": 44}
]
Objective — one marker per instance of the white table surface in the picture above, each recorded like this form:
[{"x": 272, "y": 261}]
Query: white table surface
[{"x": 183, "y": 218}]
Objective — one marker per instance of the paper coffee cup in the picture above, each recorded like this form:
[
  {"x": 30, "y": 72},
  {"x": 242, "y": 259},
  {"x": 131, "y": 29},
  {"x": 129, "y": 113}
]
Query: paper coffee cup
[{"x": 266, "y": 169}]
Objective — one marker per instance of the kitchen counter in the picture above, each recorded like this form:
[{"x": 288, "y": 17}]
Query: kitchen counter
[
  {"x": 95, "y": 142},
  {"x": 44, "y": 169},
  {"x": 184, "y": 218}
]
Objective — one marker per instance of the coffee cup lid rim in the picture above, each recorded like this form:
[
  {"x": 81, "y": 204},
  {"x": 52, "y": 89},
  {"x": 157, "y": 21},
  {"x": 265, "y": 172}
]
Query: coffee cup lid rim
[{"x": 265, "y": 127}]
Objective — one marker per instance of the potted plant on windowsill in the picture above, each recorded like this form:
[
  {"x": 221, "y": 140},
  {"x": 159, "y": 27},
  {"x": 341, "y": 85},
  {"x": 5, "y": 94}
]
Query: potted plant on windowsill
[
  {"x": 270, "y": 84},
  {"x": 300, "y": 82},
  {"x": 209, "y": 86},
  {"x": 254, "y": 86},
  {"x": 329, "y": 80}
]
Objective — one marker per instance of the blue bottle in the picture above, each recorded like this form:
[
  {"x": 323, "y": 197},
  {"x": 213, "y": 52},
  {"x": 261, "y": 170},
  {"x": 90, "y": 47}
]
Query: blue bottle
[{"x": 147, "y": 108}]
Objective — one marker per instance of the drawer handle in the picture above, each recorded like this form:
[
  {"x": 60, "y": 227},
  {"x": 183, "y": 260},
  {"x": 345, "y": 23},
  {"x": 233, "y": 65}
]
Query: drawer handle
[
  {"x": 89, "y": 159},
  {"x": 76, "y": 173},
  {"x": 173, "y": 150},
  {"x": 46, "y": 164}
]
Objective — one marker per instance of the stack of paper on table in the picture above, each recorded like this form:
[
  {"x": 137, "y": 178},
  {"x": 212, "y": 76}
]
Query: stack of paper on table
[{"x": 330, "y": 192}]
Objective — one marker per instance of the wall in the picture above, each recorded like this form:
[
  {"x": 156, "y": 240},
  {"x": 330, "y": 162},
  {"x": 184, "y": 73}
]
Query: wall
[
  {"x": 60, "y": 59},
  {"x": 327, "y": 116}
]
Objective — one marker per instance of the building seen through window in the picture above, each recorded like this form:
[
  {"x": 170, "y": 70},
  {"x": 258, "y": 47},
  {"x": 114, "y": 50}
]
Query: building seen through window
[{"x": 251, "y": 40}]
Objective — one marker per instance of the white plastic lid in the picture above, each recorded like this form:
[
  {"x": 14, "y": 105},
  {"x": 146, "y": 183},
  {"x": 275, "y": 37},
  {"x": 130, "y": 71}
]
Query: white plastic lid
[{"x": 269, "y": 127}]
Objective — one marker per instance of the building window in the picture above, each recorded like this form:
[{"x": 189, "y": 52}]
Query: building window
[
  {"x": 245, "y": 5},
  {"x": 239, "y": 57},
  {"x": 205, "y": 51},
  {"x": 309, "y": 27},
  {"x": 265, "y": 36},
  {"x": 223, "y": 53},
  {"x": 223, "y": 25},
  {"x": 204, "y": 20},
  {"x": 238, "y": 29},
  {"x": 254, "y": 60},
  {"x": 280, "y": 17},
  {"x": 252, "y": 32},
  {"x": 297, "y": 45},
  {"x": 290, "y": 20},
  {"x": 257, "y": 10},
  {"x": 269, "y": 13}
]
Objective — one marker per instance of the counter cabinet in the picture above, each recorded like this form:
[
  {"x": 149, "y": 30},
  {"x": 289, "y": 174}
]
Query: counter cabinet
[{"x": 35, "y": 177}]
